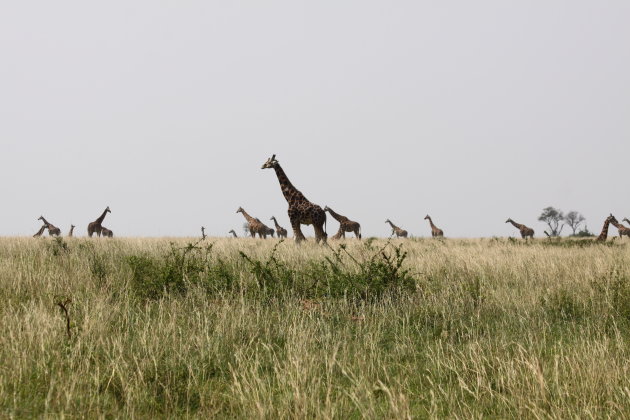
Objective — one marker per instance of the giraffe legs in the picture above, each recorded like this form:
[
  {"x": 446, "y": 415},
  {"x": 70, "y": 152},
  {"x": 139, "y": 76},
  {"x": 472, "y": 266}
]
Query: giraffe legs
[
  {"x": 339, "y": 234},
  {"x": 297, "y": 231},
  {"x": 320, "y": 235}
]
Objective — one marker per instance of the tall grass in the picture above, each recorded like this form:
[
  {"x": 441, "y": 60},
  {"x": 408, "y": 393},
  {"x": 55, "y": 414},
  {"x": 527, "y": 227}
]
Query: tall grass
[{"x": 242, "y": 328}]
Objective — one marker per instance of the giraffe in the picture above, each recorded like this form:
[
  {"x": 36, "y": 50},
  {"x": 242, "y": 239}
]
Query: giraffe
[
  {"x": 52, "y": 229},
  {"x": 106, "y": 232},
  {"x": 233, "y": 233},
  {"x": 602, "y": 236},
  {"x": 40, "y": 232},
  {"x": 282, "y": 232},
  {"x": 400, "y": 233},
  {"x": 269, "y": 230},
  {"x": 95, "y": 226},
  {"x": 435, "y": 231},
  {"x": 203, "y": 232},
  {"x": 255, "y": 225},
  {"x": 525, "y": 231},
  {"x": 621, "y": 229},
  {"x": 71, "y": 231},
  {"x": 625, "y": 219},
  {"x": 301, "y": 211},
  {"x": 345, "y": 225}
]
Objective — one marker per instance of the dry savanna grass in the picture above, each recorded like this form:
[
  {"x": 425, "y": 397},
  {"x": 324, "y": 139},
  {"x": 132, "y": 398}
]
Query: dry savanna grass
[{"x": 248, "y": 328}]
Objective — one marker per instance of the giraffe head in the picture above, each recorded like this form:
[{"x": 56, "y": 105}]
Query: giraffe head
[
  {"x": 72, "y": 226},
  {"x": 611, "y": 219},
  {"x": 427, "y": 217},
  {"x": 231, "y": 231},
  {"x": 271, "y": 163},
  {"x": 387, "y": 221},
  {"x": 240, "y": 210},
  {"x": 508, "y": 221},
  {"x": 328, "y": 209},
  {"x": 273, "y": 218},
  {"x": 107, "y": 210},
  {"x": 625, "y": 219}
]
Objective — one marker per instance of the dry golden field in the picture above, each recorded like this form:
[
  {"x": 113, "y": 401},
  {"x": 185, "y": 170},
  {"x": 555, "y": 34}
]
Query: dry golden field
[{"x": 235, "y": 328}]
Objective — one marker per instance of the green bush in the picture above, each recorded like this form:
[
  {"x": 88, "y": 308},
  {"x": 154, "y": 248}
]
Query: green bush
[
  {"x": 178, "y": 270},
  {"x": 366, "y": 280},
  {"x": 339, "y": 275}
]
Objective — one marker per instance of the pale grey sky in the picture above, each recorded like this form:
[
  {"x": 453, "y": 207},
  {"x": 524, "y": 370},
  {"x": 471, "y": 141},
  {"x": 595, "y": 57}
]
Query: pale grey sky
[{"x": 472, "y": 112}]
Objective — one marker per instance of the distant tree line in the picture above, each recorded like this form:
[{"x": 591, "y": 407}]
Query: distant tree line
[{"x": 557, "y": 220}]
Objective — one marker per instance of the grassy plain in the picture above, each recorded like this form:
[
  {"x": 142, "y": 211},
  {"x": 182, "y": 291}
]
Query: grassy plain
[{"x": 403, "y": 329}]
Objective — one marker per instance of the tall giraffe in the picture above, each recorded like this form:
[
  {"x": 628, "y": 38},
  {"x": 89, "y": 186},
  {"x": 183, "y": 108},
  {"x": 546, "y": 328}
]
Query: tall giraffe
[
  {"x": 40, "y": 232},
  {"x": 301, "y": 211},
  {"x": 52, "y": 229},
  {"x": 203, "y": 232},
  {"x": 71, "y": 231},
  {"x": 621, "y": 229},
  {"x": 400, "y": 233},
  {"x": 95, "y": 226},
  {"x": 435, "y": 231},
  {"x": 345, "y": 225},
  {"x": 282, "y": 232},
  {"x": 604, "y": 235},
  {"x": 255, "y": 225},
  {"x": 233, "y": 233},
  {"x": 525, "y": 231},
  {"x": 106, "y": 232}
]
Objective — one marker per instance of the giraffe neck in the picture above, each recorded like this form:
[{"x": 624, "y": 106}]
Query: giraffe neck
[
  {"x": 101, "y": 217},
  {"x": 234, "y": 233},
  {"x": 602, "y": 236},
  {"x": 249, "y": 218},
  {"x": 617, "y": 225},
  {"x": 275, "y": 222},
  {"x": 392, "y": 225},
  {"x": 517, "y": 225},
  {"x": 288, "y": 190},
  {"x": 337, "y": 216},
  {"x": 45, "y": 221},
  {"x": 431, "y": 223},
  {"x": 71, "y": 230}
]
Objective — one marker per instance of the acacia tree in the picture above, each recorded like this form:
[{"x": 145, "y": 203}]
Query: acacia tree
[
  {"x": 553, "y": 217},
  {"x": 574, "y": 219}
]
